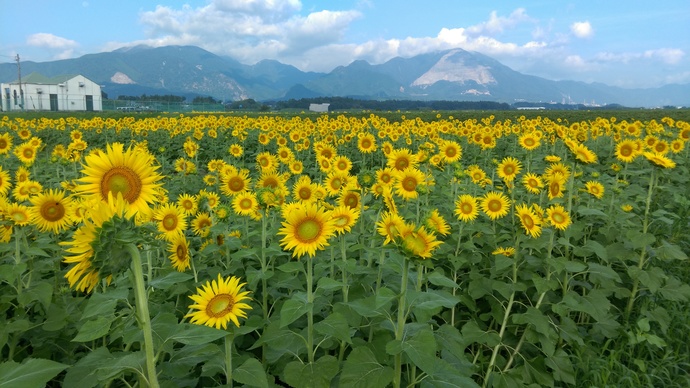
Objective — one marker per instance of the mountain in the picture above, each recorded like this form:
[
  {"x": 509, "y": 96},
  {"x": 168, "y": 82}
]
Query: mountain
[{"x": 444, "y": 75}]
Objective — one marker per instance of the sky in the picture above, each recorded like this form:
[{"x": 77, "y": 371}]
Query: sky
[{"x": 631, "y": 43}]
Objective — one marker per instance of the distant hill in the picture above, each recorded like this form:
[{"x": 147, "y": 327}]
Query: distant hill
[{"x": 453, "y": 75}]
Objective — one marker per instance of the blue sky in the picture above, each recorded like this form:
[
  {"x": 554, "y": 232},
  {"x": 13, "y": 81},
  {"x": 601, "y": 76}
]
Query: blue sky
[{"x": 624, "y": 43}]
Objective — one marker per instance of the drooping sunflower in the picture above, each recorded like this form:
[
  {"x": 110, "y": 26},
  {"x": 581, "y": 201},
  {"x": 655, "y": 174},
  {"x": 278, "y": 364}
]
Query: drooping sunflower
[
  {"x": 306, "y": 229},
  {"x": 437, "y": 223},
  {"x": 659, "y": 159},
  {"x": 51, "y": 211},
  {"x": 245, "y": 204},
  {"x": 235, "y": 183},
  {"x": 407, "y": 182},
  {"x": 466, "y": 208},
  {"x": 595, "y": 188},
  {"x": 178, "y": 247},
  {"x": 532, "y": 183},
  {"x": 505, "y": 251},
  {"x": 583, "y": 153},
  {"x": 219, "y": 302},
  {"x": 558, "y": 217},
  {"x": 344, "y": 218},
  {"x": 509, "y": 168},
  {"x": 5, "y": 184},
  {"x": 495, "y": 204},
  {"x": 201, "y": 224},
  {"x": 389, "y": 226},
  {"x": 170, "y": 220},
  {"x": 130, "y": 173},
  {"x": 420, "y": 242},
  {"x": 529, "y": 220}
]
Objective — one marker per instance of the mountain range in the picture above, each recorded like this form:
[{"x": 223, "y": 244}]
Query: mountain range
[{"x": 455, "y": 75}]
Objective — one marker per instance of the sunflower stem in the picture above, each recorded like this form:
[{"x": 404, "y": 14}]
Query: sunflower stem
[
  {"x": 264, "y": 285},
  {"x": 143, "y": 313},
  {"x": 310, "y": 313},
  {"x": 17, "y": 260},
  {"x": 400, "y": 324},
  {"x": 228, "y": 359},
  {"x": 641, "y": 262}
]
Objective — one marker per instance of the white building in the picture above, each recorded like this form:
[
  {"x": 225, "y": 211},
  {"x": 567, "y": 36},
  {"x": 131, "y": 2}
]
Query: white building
[
  {"x": 319, "y": 107},
  {"x": 62, "y": 93}
]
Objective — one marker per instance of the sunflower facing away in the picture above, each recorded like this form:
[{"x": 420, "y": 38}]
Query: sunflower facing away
[
  {"x": 219, "y": 302},
  {"x": 306, "y": 228},
  {"x": 129, "y": 173}
]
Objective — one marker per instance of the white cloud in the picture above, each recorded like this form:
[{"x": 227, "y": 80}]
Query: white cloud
[
  {"x": 669, "y": 56},
  {"x": 497, "y": 24},
  {"x": 46, "y": 40},
  {"x": 582, "y": 29}
]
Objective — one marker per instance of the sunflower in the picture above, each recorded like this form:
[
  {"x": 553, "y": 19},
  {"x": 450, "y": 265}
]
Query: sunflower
[
  {"x": 557, "y": 168},
  {"x": 384, "y": 176},
  {"x": 529, "y": 141},
  {"x": 451, "y": 151},
  {"x": 437, "y": 223},
  {"x": 26, "y": 153},
  {"x": 532, "y": 183},
  {"x": 495, "y": 204},
  {"x": 659, "y": 159},
  {"x": 188, "y": 203},
  {"x": 129, "y": 173},
  {"x": 350, "y": 197},
  {"x": 245, "y": 204},
  {"x": 306, "y": 229},
  {"x": 420, "y": 242},
  {"x": 235, "y": 183},
  {"x": 595, "y": 188},
  {"x": 266, "y": 161},
  {"x": 558, "y": 217},
  {"x": 401, "y": 159},
  {"x": 326, "y": 151},
  {"x": 178, "y": 247},
  {"x": 24, "y": 190},
  {"x": 5, "y": 143},
  {"x": 50, "y": 211},
  {"x": 344, "y": 218},
  {"x": 509, "y": 168},
  {"x": 22, "y": 175},
  {"x": 407, "y": 181},
  {"x": 296, "y": 166},
  {"x": 466, "y": 208},
  {"x": 583, "y": 154},
  {"x": 304, "y": 189},
  {"x": 529, "y": 220},
  {"x": 335, "y": 181},
  {"x": 556, "y": 186},
  {"x": 505, "y": 251},
  {"x": 19, "y": 214},
  {"x": 271, "y": 179},
  {"x": 366, "y": 143},
  {"x": 389, "y": 226},
  {"x": 342, "y": 164},
  {"x": 219, "y": 302},
  {"x": 236, "y": 150},
  {"x": 201, "y": 224},
  {"x": 477, "y": 175},
  {"x": 677, "y": 146},
  {"x": 170, "y": 220},
  {"x": 5, "y": 183}
]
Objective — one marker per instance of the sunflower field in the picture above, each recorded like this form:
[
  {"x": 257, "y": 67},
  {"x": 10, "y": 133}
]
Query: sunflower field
[{"x": 340, "y": 251}]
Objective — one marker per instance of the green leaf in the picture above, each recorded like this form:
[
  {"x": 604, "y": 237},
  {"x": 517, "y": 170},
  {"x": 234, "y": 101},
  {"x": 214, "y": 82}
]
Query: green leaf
[
  {"x": 93, "y": 329},
  {"x": 652, "y": 278},
  {"x": 638, "y": 239},
  {"x": 362, "y": 370},
  {"x": 33, "y": 372},
  {"x": 472, "y": 333},
  {"x": 192, "y": 334},
  {"x": 562, "y": 367},
  {"x": 432, "y": 299},
  {"x": 40, "y": 291},
  {"x": 668, "y": 251},
  {"x": 335, "y": 325},
  {"x": 170, "y": 279},
  {"x": 326, "y": 283},
  {"x": 603, "y": 274},
  {"x": 595, "y": 304},
  {"x": 291, "y": 266},
  {"x": 312, "y": 375},
  {"x": 103, "y": 304},
  {"x": 421, "y": 349},
  {"x": 251, "y": 373},
  {"x": 83, "y": 373},
  {"x": 293, "y": 309},
  {"x": 438, "y": 279}
]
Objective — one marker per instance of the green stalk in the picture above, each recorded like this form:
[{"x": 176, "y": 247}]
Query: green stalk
[
  {"x": 400, "y": 327},
  {"x": 343, "y": 254},
  {"x": 643, "y": 253},
  {"x": 17, "y": 261},
  {"x": 143, "y": 312},
  {"x": 310, "y": 313},
  {"x": 228, "y": 359}
]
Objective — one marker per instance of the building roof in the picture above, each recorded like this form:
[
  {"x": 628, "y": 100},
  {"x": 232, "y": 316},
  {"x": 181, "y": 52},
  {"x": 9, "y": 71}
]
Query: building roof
[{"x": 36, "y": 78}]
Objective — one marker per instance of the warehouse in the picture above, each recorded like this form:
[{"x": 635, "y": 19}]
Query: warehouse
[{"x": 61, "y": 93}]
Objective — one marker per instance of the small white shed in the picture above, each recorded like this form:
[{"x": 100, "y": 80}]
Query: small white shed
[
  {"x": 62, "y": 93},
  {"x": 319, "y": 107}
]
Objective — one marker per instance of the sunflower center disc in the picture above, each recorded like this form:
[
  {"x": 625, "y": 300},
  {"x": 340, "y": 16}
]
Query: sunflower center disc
[
  {"x": 495, "y": 205},
  {"x": 308, "y": 230},
  {"x": 181, "y": 253},
  {"x": 527, "y": 220},
  {"x": 220, "y": 305},
  {"x": 121, "y": 180},
  {"x": 410, "y": 184},
  {"x": 52, "y": 211},
  {"x": 170, "y": 222}
]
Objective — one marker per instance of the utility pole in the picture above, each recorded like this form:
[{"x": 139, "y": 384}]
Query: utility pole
[{"x": 19, "y": 78}]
